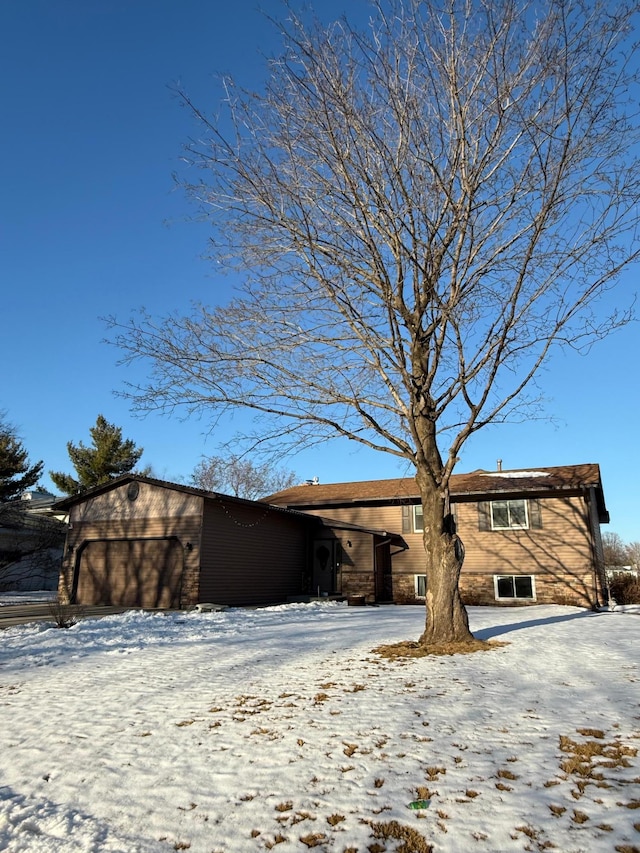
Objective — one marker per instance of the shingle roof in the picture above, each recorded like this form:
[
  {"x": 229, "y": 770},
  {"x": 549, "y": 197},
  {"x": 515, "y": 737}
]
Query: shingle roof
[
  {"x": 67, "y": 503},
  {"x": 476, "y": 483}
]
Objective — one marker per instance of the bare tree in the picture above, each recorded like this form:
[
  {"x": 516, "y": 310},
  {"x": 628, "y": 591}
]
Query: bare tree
[
  {"x": 633, "y": 554},
  {"x": 615, "y": 552},
  {"x": 424, "y": 210},
  {"x": 241, "y": 477}
]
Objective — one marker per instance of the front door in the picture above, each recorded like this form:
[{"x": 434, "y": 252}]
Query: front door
[{"x": 324, "y": 567}]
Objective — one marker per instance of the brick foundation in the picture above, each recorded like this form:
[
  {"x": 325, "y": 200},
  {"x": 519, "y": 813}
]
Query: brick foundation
[{"x": 478, "y": 589}]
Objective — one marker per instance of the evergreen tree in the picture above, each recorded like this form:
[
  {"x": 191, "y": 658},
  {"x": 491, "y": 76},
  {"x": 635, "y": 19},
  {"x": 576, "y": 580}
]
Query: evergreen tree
[
  {"x": 16, "y": 474},
  {"x": 109, "y": 457}
]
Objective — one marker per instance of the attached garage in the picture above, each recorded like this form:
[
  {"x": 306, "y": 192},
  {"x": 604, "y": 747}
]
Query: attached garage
[{"x": 141, "y": 542}]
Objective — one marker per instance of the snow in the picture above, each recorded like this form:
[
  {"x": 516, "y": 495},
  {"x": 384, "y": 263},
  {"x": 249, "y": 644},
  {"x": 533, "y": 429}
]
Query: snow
[
  {"x": 37, "y": 597},
  {"x": 517, "y": 475},
  {"x": 280, "y": 728}
]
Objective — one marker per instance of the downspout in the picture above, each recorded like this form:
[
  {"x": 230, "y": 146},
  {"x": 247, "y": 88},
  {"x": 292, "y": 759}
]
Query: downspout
[{"x": 599, "y": 576}]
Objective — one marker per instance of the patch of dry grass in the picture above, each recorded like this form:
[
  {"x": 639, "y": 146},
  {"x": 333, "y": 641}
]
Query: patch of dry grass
[
  {"x": 411, "y": 649},
  {"x": 588, "y": 759},
  {"x": 579, "y": 817},
  {"x": 597, "y": 733},
  {"x": 299, "y": 817},
  {"x": 315, "y": 839},
  {"x": 423, "y": 793},
  {"x": 412, "y": 840},
  {"x": 506, "y": 774}
]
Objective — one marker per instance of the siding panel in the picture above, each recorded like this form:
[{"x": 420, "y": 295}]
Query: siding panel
[{"x": 250, "y": 554}]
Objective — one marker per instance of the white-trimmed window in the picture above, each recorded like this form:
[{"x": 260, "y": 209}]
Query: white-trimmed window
[
  {"x": 509, "y": 515},
  {"x": 420, "y": 585},
  {"x": 514, "y": 587},
  {"x": 418, "y": 519}
]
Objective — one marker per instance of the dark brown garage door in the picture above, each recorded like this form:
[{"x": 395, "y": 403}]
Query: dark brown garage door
[{"x": 131, "y": 573}]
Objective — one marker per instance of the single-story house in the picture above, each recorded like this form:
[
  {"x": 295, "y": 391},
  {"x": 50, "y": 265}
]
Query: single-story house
[
  {"x": 142, "y": 542},
  {"x": 530, "y": 536}
]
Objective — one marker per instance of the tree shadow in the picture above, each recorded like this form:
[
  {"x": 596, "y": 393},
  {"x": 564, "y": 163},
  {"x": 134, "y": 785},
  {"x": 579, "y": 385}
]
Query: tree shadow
[{"x": 498, "y": 630}]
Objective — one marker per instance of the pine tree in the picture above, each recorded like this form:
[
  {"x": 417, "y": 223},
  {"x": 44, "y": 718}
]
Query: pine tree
[
  {"x": 109, "y": 457},
  {"x": 16, "y": 474}
]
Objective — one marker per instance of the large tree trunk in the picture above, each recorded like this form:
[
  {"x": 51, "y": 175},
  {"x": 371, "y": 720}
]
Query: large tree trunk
[{"x": 446, "y": 617}]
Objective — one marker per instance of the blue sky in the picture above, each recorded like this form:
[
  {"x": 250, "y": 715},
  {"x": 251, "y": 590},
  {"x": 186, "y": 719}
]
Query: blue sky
[{"x": 90, "y": 225}]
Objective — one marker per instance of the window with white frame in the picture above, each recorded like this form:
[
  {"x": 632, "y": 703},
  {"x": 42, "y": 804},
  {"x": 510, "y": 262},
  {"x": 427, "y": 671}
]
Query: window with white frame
[
  {"x": 509, "y": 515},
  {"x": 418, "y": 519},
  {"x": 514, "y": 587},
  {"x": 420, "y": 585}
]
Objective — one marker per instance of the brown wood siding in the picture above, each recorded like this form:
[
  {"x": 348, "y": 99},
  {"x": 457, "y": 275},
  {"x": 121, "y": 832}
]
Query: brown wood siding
[
  {"x": 562, "y": 542},
  {"x": 153, "y": 502},
  {"x": 560, "y": 552},
  {"x": 250, "y": 554}
]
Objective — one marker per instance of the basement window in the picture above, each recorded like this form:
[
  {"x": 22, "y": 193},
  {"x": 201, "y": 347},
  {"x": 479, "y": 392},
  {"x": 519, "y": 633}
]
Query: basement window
[
  {"x": 514, "y": 587},
  {"x": 509, "y": 515},
  {"x": 420, "y": 585}
]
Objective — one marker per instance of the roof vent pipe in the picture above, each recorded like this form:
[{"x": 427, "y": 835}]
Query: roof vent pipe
[{"x": 499, "y": 461}]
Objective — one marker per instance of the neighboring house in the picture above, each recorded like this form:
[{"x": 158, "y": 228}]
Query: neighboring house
[
  {"x": 621, "y": 571},
  {"x": 42, "y": 502},
  {"x": 31, "y": 545},
  {"x": 142, "y": 542},
  {"x": 530, "y": 536}
]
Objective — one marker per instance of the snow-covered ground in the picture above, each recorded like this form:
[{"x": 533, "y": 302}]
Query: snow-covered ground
[
  {"x": 38, "y": 597},
  {"x": 251, "y": 730}
]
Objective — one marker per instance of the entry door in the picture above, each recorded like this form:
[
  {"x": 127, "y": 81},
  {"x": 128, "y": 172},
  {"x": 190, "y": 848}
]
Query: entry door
[{"x": 324, "y": 566}]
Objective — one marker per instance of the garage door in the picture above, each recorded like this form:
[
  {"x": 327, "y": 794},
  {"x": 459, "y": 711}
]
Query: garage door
[{"x": 131, "y": 573}]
